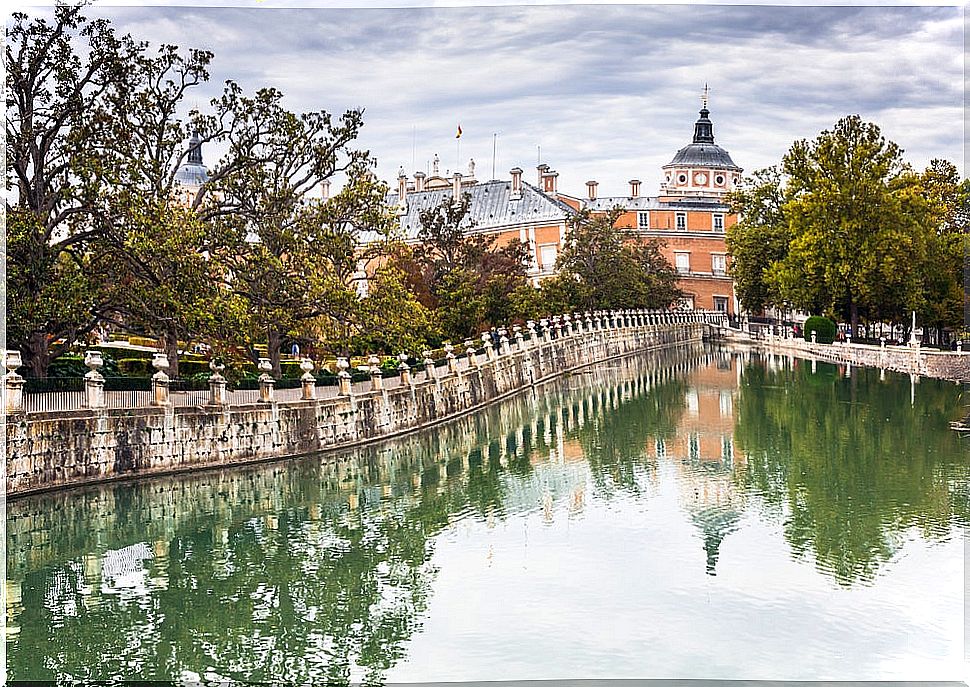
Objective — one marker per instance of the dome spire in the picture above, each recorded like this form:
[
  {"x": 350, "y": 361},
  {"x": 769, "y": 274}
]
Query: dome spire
[
  {"x": 703, "y": 127},
  {"x": 195, "y": 149}
]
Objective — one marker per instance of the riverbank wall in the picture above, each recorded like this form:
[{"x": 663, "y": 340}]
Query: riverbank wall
[
  {"x": 949, "y": 365},
  {"x": 61, "y": 449}
]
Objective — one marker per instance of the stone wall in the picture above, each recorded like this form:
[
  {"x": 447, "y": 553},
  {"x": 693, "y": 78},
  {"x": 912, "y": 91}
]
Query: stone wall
[
  {"x": 949, "y": 365},
  {"x": 54, "y": 450}
]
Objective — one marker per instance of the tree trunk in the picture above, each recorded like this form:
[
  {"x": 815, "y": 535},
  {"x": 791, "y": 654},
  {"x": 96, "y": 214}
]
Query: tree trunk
[
  {"x": 273, "y": 348},
  {"x": 171, "y": 343},
  {"x": 38, "y": 354},
  {"x": 854, "y": 316}
]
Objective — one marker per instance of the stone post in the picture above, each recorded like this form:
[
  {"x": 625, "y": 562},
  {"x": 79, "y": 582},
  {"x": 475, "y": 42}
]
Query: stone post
[
  {"x": 470, "y": 352},
  {"x": 428, "y": 362},
  {"x": 376, "y": 378},
  {"x": 814, "y": 334},
  {"x": 505, "y": 348},
  {"x": 589, "y": 321},
  {"x": 343, "y": 377},
  {"x": 489, "y": 348},
  {"x": 555, "y": 330},
  {"x": 848, "y": 339},
  {"x": 13, "y": 382},
  {"x": 218, "y": 394},
  {"x": 545, "y": 329},
  {"x": 160, "y": 381},
  {"x": 519, "y": 337},
  {"x": 266, "y": 381},
  {"x": 404, "y": 369},
  {"x": 567, "y": 323},
  {"x": 450, "y": 357},
  {"x": 531, "y": 326},
  {"x": 308, "y": 383},
  {"x": 93, "y": 381}
]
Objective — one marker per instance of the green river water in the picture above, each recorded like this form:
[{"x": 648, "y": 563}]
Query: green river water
[{"x": 701, "y": 514}]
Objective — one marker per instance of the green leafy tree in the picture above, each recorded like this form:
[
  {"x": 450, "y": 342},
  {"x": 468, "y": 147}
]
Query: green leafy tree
[
  {"x": 599, "y": 269},
  {"x": 760, "y": 239},
  {"x": 858, "y": 239},
  {"x": 470, "y": 280},
  {"x": 58, "y": 74}
]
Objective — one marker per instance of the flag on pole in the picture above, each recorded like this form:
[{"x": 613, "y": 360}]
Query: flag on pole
[{"x": 458, "y": 135}]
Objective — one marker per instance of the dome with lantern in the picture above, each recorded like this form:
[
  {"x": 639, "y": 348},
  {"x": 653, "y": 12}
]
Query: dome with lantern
[{"x": 701, "y": 168}]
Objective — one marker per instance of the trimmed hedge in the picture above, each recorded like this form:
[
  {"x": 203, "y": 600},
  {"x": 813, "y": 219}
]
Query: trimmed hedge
[
  {"x": 136, "y": 367},
  {"x": 823, "y": 327}
]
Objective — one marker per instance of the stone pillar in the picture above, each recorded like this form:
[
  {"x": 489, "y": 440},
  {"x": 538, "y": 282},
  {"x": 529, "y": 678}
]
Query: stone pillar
[
  {"x": 589, "y": 321},
  {"x": 160, "y": 381},
  {"x": 489, "y": 348},
  {"x": 428, "y": 362},
  {"x": 814, "y": 333},
  {"x": 567, "y": 324},
  {"x": 519, "y": 337},
  {"x": 218, "y": 393},
  {"x": 531, "y": 326},
  {"x": 544, "y": 323},
  {"x": 13, "y": 382},
  {"x": 376, "y": 378},
  {"x": 266, "y": 381},
  {"x": 404, "y": 369},
  {"x": 470, "y": 352},
  {"x": 450, "y": 357},
  {"x": 343, "y": 377},
  {"x": 93, "y": 381},
  {"x": 555, "y": 331},
  {"x": 504, "y": 346},
  {"x": 308, "y": 383}
]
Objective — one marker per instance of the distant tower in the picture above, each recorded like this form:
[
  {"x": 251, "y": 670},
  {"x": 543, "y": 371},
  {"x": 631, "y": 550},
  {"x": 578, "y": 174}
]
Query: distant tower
[
  {"x": 701, "y": 168},
  {"x": 193, "y": 173}
]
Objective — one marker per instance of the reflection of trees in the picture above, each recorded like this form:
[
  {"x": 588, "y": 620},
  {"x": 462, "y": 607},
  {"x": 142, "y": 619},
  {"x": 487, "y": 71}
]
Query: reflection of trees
[
  {"x": 854, "y": 463},
  {"x": 614, "y": 443}
]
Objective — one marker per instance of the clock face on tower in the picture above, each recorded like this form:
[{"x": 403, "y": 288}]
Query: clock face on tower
[{"x": 700, "y": 179}]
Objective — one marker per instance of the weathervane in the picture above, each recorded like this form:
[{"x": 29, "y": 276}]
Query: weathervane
[{"x": 704, "y": 97}]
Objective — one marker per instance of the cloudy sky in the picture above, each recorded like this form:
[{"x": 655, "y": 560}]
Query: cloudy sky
[{"x": 606, "y": 92}]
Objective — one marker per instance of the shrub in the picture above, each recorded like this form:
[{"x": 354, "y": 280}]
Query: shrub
[
  {"x": 290, "y": 369},
  {"x": 823, "y": 327},
  {"x": 188, "y": 368},
  {"x": 135, "y": 367}
]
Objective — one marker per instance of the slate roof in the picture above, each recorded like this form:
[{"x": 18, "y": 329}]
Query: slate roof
[
  {"x": 491, "y": 207},
  {"x": 703, "y": 155}
]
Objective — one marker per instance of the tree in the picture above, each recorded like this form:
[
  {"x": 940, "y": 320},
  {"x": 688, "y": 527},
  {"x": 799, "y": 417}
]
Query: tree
[
  {"x": 59, "y": 73},
  {"x": 760, "y": 238},
  {"x": 470, "y": 280},
  {"x": 857, "y": 239},
  {"x": 599, "y": 269}
]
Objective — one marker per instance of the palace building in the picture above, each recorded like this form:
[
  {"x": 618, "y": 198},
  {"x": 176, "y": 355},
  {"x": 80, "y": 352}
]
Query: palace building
[
  {"x": 689, "y": 215},
  {"x": 509, "y": 209}
]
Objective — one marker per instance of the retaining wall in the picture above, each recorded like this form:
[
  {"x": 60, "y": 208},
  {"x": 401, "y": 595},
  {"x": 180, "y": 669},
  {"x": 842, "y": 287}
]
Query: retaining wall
[
  {"x": 948, "y": 365},
  {"x": 54, "y": 450}
]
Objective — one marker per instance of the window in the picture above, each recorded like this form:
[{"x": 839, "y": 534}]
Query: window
[
  {"x": 727, "y": 448},
  {"x": 661, "y": 448},
  {"x": 682, "y": 179},
  {"x": 720, "y": 304},
  {"x": 719, "y": 180},
  {"x": 547, "y": 256},
  {"x": 726, "y": 403},
  {"x": 643, "y": 220},
  {"x": 694, "y": 447},
  {"x": 719, "y": 223},
  {"x": 686, "y": 303},
  {"x": 718, "y": 264},
  {"x": 682, "y": 260},
  {"x": 681, "y": 221}
]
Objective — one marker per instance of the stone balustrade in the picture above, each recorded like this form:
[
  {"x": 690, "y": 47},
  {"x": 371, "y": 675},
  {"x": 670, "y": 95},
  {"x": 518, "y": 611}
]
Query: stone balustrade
[{"x": 64, "y": 448}]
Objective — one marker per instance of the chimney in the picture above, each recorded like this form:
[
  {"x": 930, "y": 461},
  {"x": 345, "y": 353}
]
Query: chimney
[
  {"x": 419, "y": 181},
  {"x": 541, "y": 169},
  {"x": 549, "y": 181},
  {"x": 402, "y": 190},
  {"x": 591, "y": 189},
  {"x": 325, "y": 189},
  {"x": 634, "y": 188},
  {"x": 456, "y": 187},
  {"x": 516, "y": 173}
]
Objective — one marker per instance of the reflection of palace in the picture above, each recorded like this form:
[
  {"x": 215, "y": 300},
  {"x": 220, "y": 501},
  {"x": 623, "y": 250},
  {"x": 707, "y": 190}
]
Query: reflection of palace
[{"x": 702, "y": 450}]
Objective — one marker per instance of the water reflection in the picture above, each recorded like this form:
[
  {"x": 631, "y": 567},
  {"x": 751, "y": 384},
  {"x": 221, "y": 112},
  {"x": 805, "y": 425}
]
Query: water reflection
[{"x": 325, "y": 569}]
